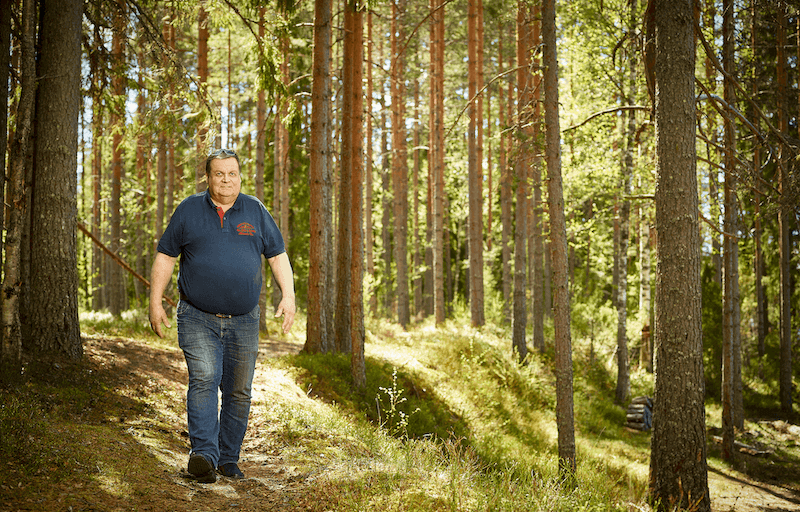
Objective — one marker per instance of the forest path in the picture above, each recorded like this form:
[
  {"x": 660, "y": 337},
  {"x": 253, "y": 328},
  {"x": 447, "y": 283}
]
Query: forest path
[
  {"x": 136, "y": 447},
  {"x": 274, "y": 483}
]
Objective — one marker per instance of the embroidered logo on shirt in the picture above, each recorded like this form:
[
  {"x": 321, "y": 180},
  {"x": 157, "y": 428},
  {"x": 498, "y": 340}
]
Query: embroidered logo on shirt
[{"x": 245, "y": 228}]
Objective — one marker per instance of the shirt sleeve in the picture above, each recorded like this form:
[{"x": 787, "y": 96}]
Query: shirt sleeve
[
  {"x": 273, "y": 240},
  {"x": 172, "y": 240}
]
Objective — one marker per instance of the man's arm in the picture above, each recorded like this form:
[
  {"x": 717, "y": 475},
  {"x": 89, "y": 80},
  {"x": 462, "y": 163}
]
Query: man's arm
[
  {"x": 160, "y": 276},
  {"x": 282, "y": 271}
]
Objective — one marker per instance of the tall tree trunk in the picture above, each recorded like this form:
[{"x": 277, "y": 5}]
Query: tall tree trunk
[
  {"x": 784, "y": 214},
  {"x": 505, "y": 187},
  {"x": 475, "y": 173},
  {"x": 437, "y": 156},
  {"x": 558, "y": 240},
  {"x": 417, "y": 249},
  {"x": 645, "y": 354},
  {"x": 319, "y": 181},
  {"x": 344, "y": 251},
  {"x": 521, "y": 164},
  {"x": 5, "y": 62},
  {"x": 261, "y": 157},
  {"x": 357, "y": 333},
  {"x": 142, "y": 148},
  {"x": 53, "y": 304},
  {"x": 678, "y": 470},
  {"x": 713, "y": 171},
  {"x": 98, "y": 79},
  {"x": 731, "y": 342},
  {"x": 117, "y": 294},
  {"x": 489, "y": 173},
  {"x": 399, "y": 164},
  {"x": 623, "y": 365},
  {"x": 758, "y": 255},
  {"x": 20, "y": 154},
  {"x": 202, "y": 74},
  {"x": 280, "y": 203},
  {"x": 430, "y": 210},
  {"x": 329, "y": 293},
  {"x": 386, "y": 212},
  {"x": 369, "y": 241},
  {"x": 537, "y": 251}
]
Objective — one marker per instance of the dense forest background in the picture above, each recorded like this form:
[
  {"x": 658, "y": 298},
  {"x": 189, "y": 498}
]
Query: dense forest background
[{"x": 450, "y": 138}]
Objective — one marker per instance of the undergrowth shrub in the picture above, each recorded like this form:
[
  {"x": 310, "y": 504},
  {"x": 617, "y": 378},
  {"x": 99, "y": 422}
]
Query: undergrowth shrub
[{"x": 400, "y": 401}]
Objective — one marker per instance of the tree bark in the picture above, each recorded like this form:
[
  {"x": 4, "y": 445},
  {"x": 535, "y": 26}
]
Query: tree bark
[
  {"x": 386, "y": 212},
  {"x": 369, "y": 241},
  {"x": 202, "y": 74},
  {"x": 475, "y": 171},
  {"x": 20, "y": 157},
  {"x": 521, "y": 165},
  {"x": 261, "y": 150},
  {"x": 399, "y": 164},
  {"x": 98, "y": 84},
  {"x": 357, "y": 333},
  {"x": 280, "y": 202},
  {"x": 678, "y": 471},
  {"x": 623, "y": 365},
  {"x": 437, "y": 156},
  {"x": 419, "y": 256},
  {"x": 319, "y": 183},
  {"x": 344, "y": 252},
  {"x": 117, "y": 295},
  {"x": 505, "y": 187},
  {"x": 758, "y": 255},
  {"x": 731, "y": 342},
  {"x": 645, "y": 354},
  {"x": 53, "y": 305},
  {"x": 5, "y": 62},
  {"x": 784, "y": 215},
  {"x": 535, "y": 230},
  {"x": 558, "y": 239}
]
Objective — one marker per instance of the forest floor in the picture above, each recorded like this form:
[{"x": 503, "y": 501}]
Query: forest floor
[{"x": 123, "y": 446}]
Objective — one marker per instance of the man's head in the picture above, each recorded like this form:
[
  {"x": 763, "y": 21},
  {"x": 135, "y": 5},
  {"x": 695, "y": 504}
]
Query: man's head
[
  {"x": 223, "y": 177},
  {"x": 220, "y": 154}
]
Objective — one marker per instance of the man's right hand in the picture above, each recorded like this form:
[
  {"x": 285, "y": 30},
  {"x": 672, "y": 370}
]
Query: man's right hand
[
  {"x": 159, "y": 279},
  {"x": 157, "y": 317}
]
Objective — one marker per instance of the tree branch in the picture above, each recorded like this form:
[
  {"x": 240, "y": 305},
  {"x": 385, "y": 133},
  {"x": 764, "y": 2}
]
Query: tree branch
[
  {"x": 603, "y": 112},
  {"x": 119, "y": 260},
  {"x": 466, "y": 106}
]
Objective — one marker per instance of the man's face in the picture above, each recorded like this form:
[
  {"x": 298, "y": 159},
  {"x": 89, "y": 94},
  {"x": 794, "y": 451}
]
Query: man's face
[{"x": 224, "y": 180}]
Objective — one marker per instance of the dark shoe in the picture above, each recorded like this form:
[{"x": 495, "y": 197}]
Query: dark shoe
[
  {"x": 231, "y": 470},
  {"x": 201, "y": 469}
]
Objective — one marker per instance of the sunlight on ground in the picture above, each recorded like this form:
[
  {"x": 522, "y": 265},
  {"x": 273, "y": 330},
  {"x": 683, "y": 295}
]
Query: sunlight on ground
[{"x": 112, "y": 481}]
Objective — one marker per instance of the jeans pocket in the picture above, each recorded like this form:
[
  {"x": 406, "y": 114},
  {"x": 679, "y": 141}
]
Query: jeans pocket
[
  {"x": 183, "y": 307},
  {"x": 255, "y": 313}
]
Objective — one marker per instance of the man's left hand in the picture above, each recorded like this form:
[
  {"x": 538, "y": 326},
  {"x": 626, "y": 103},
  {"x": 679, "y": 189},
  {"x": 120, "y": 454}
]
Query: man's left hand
[{"x": 287, "y": 309}]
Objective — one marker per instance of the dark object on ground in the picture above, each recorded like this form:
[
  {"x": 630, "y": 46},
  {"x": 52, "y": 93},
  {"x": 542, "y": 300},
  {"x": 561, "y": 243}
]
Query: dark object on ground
[{"x": 640, "y": 414}]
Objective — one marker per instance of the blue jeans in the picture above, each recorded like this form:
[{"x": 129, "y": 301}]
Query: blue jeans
[{"x": 220, "y": 355}]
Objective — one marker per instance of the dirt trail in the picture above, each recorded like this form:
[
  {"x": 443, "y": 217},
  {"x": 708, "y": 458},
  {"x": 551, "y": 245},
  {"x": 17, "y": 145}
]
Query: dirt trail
[
  {"x": 272, "y": 482},
  {"x": 159, "y": 443}
]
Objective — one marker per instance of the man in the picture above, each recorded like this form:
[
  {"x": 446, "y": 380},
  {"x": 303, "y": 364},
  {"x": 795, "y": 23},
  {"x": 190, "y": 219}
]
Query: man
[{"x": 220, "y": 235}]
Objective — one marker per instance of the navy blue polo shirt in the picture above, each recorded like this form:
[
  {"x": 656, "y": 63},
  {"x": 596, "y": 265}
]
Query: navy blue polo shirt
[{"x": 220, "y": 264}]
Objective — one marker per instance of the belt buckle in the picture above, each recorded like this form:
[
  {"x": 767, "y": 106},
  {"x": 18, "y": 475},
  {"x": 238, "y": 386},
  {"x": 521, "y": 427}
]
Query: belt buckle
[{"x": 220, "y": 315}]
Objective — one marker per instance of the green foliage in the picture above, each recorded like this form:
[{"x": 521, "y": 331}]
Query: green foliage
[
  {"x": 393, "y": 399},
  {"x": 500, "y": 437}
]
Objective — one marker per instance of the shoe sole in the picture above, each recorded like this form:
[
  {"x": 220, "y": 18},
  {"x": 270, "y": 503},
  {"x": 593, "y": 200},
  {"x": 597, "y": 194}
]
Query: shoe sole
[{"x": 202, "y": 470}]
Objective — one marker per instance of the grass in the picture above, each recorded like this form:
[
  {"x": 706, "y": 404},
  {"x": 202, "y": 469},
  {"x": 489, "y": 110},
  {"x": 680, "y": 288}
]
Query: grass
[
  {"x": 448, "y": 421},
  {"x": 489, "y": 420}
]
